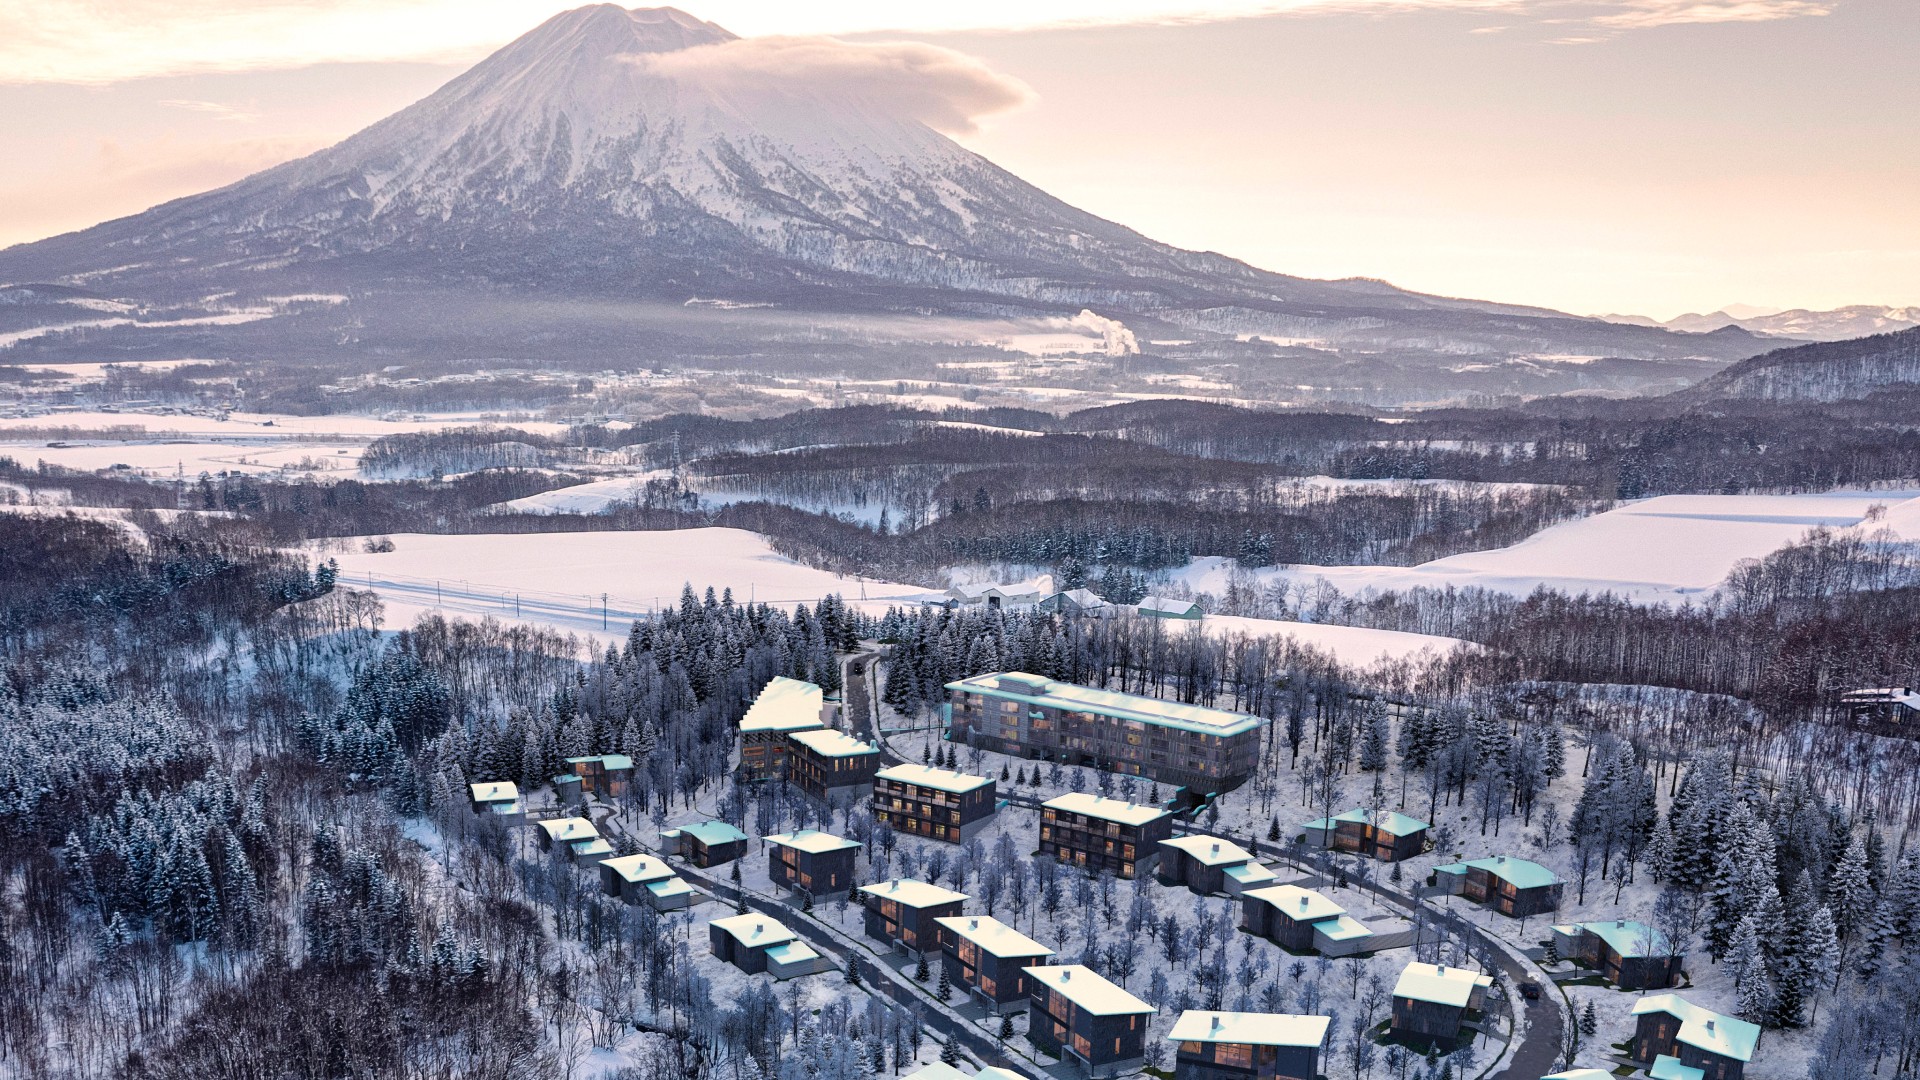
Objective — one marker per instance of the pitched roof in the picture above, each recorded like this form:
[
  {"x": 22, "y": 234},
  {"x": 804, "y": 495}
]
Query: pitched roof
[
  {"x": 564, "y": 830},
  {"x": 609, "y": 762},
  {"x": 639, "y": 869},
  {"x": 1392, "y": 821},
  {"x": 993, "y": 936},
  {"x": 1520, "y": 873},
  {"x": 1116, "y": 810},
  {"x": 1704, "y": 1029},
  {"x": 812, "y": 841},
  {"x": 1668, "y": 1067},
  {"x": 1036, "y": 690},
  {"x": 497, "y": 791},
  {"x": 929, "y": 777},
  {"x": 709, "y": 833},
  {"x": 1630, "y": 938},
  {"x": 784, "y": 705},
  {"x": 1209, "y": 850},
  {"x": 754, "y": 929},
  {"x": 1296, "y": 903},
  {"x": 1166, "y": 605},
  {"x": 1251, "y": 1028},
  {"x": 830, "y": 743},
  {"x": 914, "y": 894},
  {"x": 1088, "y": 990},
  {"x": 1439, "y": 984}
]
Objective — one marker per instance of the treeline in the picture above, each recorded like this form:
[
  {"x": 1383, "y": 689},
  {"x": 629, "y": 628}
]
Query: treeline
[{"x": 455, "y": 450}]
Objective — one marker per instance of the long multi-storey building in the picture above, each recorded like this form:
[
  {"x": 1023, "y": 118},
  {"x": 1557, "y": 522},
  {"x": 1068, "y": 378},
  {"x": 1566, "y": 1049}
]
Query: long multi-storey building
[
  {"x": 830, "y": 765},
  {"x": 1191, "y": 746},
  {"x": 1095, "y": 834},
  {"x": 783, "y": 707},
  {"x": 939, "y": 804}
]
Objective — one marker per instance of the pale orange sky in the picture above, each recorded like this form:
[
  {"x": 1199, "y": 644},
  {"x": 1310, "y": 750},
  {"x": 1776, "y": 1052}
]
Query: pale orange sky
[{"x": 1648, "y": 156}]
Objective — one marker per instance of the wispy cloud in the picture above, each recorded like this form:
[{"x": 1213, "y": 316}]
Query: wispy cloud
[
  {"x": 107, "y": 41},
  {"x": 212, "y": 108}
]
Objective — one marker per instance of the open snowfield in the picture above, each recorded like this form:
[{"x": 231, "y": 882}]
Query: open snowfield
[
  {"x": 164, "y": 459},
  {"x": 258, "y": 425},
  {"x": 1353, "y": 645},
  {"x": 590, "y": 498},
  {"x": 1659, "y": 549}
]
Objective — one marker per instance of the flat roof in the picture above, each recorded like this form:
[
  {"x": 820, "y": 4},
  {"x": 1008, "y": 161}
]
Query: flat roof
[
  {"x": 754, "y": 929},
  {"x": 497, "y": 791},
  {"x": 1581, "y": 1074},
  {"x": 1343, "y": 928},
  {"x": 792, "y": 952},
  {"x": 610, "y": 762},
  {"x": 1250, "y": 1028},
  {"x": 590, "y": 845},
  {"x": 566, "y": 829},
  {"x": 784, "y": 705},
  {"x": 1118, "y": 811},
  {"x": 672, "y": 886},
  {"x": 994, "y": 936},
  {"x": 1249, "y": 873},
  {"x": 1298, "y": 904},
  {"x": 914, "y": 894},
  {"x": 812, "y": 841},
  {"x": 1440, "y": 985},
  {"x": 1088, "y": 990},
  {"x": 927, "y": 776},
  {"x": 1630, "y": 938},
  {"x": 1520, "y": 873},
  {"x": 1668, "y": 1067},
  {"x": 639, "y": 869},
  {"x": 710, "y": 833},
  {"x": 1210, "y": 850},
  {"x": 1112, "y": 703},
  {"x": 1704, "y": 1029},
  {"x": 830, "y": 743}
]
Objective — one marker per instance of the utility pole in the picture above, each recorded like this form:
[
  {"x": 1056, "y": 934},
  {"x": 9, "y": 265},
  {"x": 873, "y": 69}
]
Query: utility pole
[{"x": 603, "y": 611}]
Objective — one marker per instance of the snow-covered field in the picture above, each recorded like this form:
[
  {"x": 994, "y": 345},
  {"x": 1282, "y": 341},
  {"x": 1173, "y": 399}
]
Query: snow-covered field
[
  {"x": 256, "y": 425},
  {"x": 595, "y": 497},
  {"x": 1353, "y": 645},
  {"x": 164, "y": 459},
  {"x": 1659, "y": 549}
]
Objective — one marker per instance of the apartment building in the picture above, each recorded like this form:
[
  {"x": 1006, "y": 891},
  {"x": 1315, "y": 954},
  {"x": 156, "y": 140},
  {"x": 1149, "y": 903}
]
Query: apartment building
[
  {"x": 783, "y": 707},
  {"x": 818, "y": 863},
  {"x": 1096, "y": 834},
  {"x": 938, "y": 804},
  {"x": 1076, "y": 1013},
  {"x": 831, "y": 766}
]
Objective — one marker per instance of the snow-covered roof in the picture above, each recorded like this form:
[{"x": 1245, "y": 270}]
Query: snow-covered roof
[
  {"x": 609, "y": 762},
  {"x": 914, "y": 894},
  {"x": 1388, "y": 820},
  {"x": 667, "y": 887},
  {"x": 993, "y": 936},
  {"x": 793, "y": 952},
  {"x": 1630, "y": 938},
  {"x": 784, "y": 705},
  {"x": 812, "y": 841},
  {"x": 1439, "y": 984},
  {"x": 1081, "y": 598},
  {"x": 1209, "y": 850},
  {"x": 1298, "y": 904},
  {"x": 940, "y": 1070},
  {"x": 1580, "y": 1074},
  {"x": 565, "y": 830},
  {"x": 639, "y": 869},
  {"x": 1249, "y": 873},
  {"x": 1250, "y": 1028},
  {"x": 1520, "y": 873},
  {"x": 590, "y": 845},
  {"x": 754, "y": 929},
  {"x": 1166, "y": 605},
  {"x": 1118, "y": 811},
  {"x": 1343, "y": 928},
  {"x": 1896, "y": 695},
  {"x": 1036, "y": 690},
  {"x": 1704, "y": 1029},
  {"x": 498, "y": 791},
  {"x": 709, "y": 833},
  {"x": 929, "y": 777},
  {"x": 1668, "y": 1067},
  {"x": 1088, "y": 990},
  {"x": 830, "y": 743}
]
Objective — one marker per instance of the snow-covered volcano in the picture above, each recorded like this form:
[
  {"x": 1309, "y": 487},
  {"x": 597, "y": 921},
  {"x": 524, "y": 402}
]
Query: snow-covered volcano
[{"x": 592, "y": 158}]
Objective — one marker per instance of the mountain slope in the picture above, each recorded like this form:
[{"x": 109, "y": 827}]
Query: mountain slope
[
  {"x": 577, "y": 163},
  {"x": 1827, "y": 371},
  {"x": 1838, "y": 324}
]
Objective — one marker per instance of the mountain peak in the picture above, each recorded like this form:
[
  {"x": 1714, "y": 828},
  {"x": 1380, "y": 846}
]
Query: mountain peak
[{"x": 622, "y": 30}]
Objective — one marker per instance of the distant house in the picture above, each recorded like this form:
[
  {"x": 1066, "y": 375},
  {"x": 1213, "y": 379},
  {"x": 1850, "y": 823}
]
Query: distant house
[
  {"x": 1432, "y": 1000},
  {"x": 1209, "y": 864},
  {"x": 1248, "y": 1046},
  {"x": 755, "y": 943},
  {"x": 820, "y": 864},
  {"x": 1668, "y": 1025},
  {"x": 1166, "y": 607},
  {"x": 1095, "y": 834},
  {"x": 500, "y": 800},
  {"x": 643, "y": 879},
  {"x": 783, "y": 707},
  {"x": 604, "y": 776},
  {"x": 1883, "y": 705},
  {"x": 939, "y": 804},
  {"x": 988, "y": 959},
  {"x": 1076, "y": 1013},
  {"x": 559, "y": 835},
  {"x": 1075, "y": 602},
  {"x": 907, "y": 912},
  {"x": 1516, "y": 887},
  {"x": 831, "y": 766},
  {"x": 709, "y": 843},
  {"x": 1019, "y": 594},
  {"x": 1631, "y": 954},
  {"x": 1377, "y": 834}
]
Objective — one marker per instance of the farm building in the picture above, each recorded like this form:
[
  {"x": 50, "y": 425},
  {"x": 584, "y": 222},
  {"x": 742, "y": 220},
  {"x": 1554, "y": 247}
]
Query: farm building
[
  {"x": 831, "y": 766},
  {"x": 906, "y": 912},
  {"x": 1377, "y": 834},
  {"x": 1096, "y": 834},
  {"x": 1075, "y": 602},
  {"x": 1076, "y": 1013},
  {"x": 709, "y": 843},
  {"x": 643, "y": 879},
  {"x": 1631, "y": 954},
  {"x": 988, "y": 959},
  {"x": 755, "y": 943},
  {"x": 783, "y": 707},
  {"x": 1670, "y": 1026},
  {"x": 939, "y": 804},
  {"x": 818, "y": 863},
  {"x": 1248, "y": 1046},
  {"x": 1516, "y": 887},
  {"x": 1432, "y": 1000},
  {"x": 1209, "y": 864}
]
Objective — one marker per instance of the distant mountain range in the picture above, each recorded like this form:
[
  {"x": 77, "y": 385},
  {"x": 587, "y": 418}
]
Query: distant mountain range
[
  {"x": 1821, "y": 372},
  {"x": 1836, "y": 325},
  {"x": 571, "y": 194}
]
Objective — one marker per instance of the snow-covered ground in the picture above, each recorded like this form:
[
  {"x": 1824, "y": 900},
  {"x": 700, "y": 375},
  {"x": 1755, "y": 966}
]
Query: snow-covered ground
[
  {"x": 267, "y": 424},
  {"x": 594, "y": 497},
  {"x": 1660, "y": 549},
  {"x": 1352, "y": 645},
  {"x": 165, "y": 459}
]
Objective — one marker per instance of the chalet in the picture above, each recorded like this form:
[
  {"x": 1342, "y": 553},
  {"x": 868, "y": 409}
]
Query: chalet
[
  {"x": 1209, "y": 864},
  {"x": 1432, "y": 1001},
  {"x": 1631, "y": 954},
  {"x": 783, "y": 707},
  {"x": 1248, "y": 1046},
  {"x": 1076, "y": 1013},
  {"x": 817, "y": 863},
  {"x": 1668, "y": 1025},
  {"x": 907, "y": 913},
  {"x": 499, "y": 800},
  {"x": 935, "y": 803},
  {"x": 643, "y": 879},
  {"x": 558, "y": 835},
  {"x": 755, "y": 943},
  {"x": 709, "y": 843},
  {"x": 604, "y": 776},
  {"x": 988, "y": 959},
  {"x": 1378, "y": 834},
  {"x": 831, "y": 766},
  {"x": 1166, "y": 607},
  {"x": 1888, "y": 705},
  {"x": 1515, "y": 887},
  {"x": 1075, "y": 602},
  {"x": 1095, "y": 834}
]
